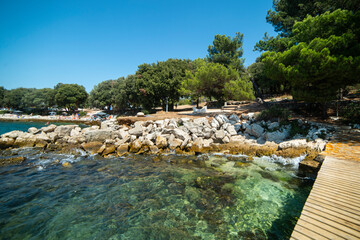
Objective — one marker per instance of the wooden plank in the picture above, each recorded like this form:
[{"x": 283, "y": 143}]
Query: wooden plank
[
  {"x": 310, "y": 232},
  {"x": 326, "y": 225},
  {"x": 337, "y": 190},
  {"x": 320, "y": 228},
  {"x": 334, "y": 217},
  {"x": 335, "y": 222},
  {"x": 299, "y": 236},
  {"x": 317, "y": 229},
  {"x": 332, "y": 210}
]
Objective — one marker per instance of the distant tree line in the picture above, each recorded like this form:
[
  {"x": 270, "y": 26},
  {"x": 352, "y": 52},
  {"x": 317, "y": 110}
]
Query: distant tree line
[{"x": 68, "y": 96}]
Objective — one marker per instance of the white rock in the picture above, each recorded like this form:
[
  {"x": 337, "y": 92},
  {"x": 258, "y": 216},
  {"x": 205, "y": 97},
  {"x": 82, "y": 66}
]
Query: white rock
[
  {"x": 231, "y": 130},
  {"x": 140, "y": 114},
  {"x": 137, "y": 130},
  {"x": 49, "y": 128},
  {"x": 33, "y": 130},
  {"x": 215, "y": 123},
  {"x": 298, "y": 143},
  {"x": 64, "y": 130},
  {"x": 277, "y": 136}
]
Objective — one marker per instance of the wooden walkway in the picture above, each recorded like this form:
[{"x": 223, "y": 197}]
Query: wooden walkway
[{"x": 332, "y": 210}]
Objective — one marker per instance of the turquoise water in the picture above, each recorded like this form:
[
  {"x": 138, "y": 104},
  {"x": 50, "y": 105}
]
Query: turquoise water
[
  {"x": 140, "y": 197},
  {"x": 22, "y": 126}
]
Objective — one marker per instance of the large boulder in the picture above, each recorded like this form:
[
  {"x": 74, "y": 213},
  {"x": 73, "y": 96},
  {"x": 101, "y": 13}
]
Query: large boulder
[
  {"x": 174, "y": 143},
  {"x": 64, "y": 130},
  {"x": 33, "y": 130},
  {"x": 137, "y": 130},
  {"x": 256, "y": 130},
  {"x": 122, "y": 149},
  {"x": 180, "y": 134},
  {"x": 135, "y": 146},
  {"x": 221, "y": 119},
  {"x": 298, "y": 143},
  {"x": 6, "y": 142},
  {"x": 49, "y": 128},
  {"x": 215, "y": 124},
  {"x": 231, "y": 130},
  {"x": 234, "y": 118},
  {"x": 25, "y": 140},
  {"x": 12, "y": 134},
  {"x": 92, "y": 147},
  {"x": 161, "y": 142},
  {"x": 219, "y": 135},
  {"x": 277, "y": 136},
  {"x": 98, "y": 135}
]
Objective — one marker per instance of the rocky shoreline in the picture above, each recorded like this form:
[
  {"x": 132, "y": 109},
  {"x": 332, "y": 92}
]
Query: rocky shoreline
[{"x": 231, "y": 134}]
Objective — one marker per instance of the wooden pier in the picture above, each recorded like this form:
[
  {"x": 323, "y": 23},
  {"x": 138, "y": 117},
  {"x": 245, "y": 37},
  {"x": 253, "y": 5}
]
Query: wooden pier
[{"x": 332, "y": 210}]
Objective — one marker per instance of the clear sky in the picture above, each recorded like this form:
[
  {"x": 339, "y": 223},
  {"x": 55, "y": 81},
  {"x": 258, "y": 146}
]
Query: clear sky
[{"x": 44, "y": 42}]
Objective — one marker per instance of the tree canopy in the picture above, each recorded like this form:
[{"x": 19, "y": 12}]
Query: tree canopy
[
  {"x": 227, "y": 51},
  {"x": 104, "y": 94},
  {"x": 324, "y": 56},
  {"x": 287, "y": 12},
  {"x": 70, "y": 96}
]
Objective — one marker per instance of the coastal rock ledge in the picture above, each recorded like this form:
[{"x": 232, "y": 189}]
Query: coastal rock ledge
[{"x": 228, "y": 134}]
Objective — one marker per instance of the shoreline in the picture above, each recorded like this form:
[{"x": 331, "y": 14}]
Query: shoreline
[
  {"x": 231, "y": 134},
  {"x": 48, "y": 119}
]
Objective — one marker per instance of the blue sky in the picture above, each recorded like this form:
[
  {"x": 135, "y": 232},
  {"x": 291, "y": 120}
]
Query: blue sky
[{"x": 46, "y": 42}]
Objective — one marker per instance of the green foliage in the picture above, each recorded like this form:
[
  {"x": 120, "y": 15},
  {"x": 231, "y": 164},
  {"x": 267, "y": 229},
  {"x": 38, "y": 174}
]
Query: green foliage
[
  {"x": 14, "y": 98},
  {"x": 184, "y": 101},
  {"x": 297, "y": 129},
  {"x": 239, "y": 89},
  {"x": 323, "y": 60},
  {"x": 287, "y": 12},
  {"x": 70, "y": 95},
  {"x": 103, "y": 95},
  {"x": 2, "y": 96},
  {"x": 276, "y": 44},
  {"x": 274, "y": 113},
  {"x": 160, "y": 83},
  {"x": 82, "y": 114},
  {"x": 4, "y": 111},
  {"x": 227, "y": 51},
  {"x": 351, "y": 113}
]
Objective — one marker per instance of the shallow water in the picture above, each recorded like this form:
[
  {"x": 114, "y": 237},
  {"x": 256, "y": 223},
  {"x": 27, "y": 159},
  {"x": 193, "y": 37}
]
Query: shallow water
[
  {"x": 136, "y": 197},
  {"x": 8, "y": 126}
]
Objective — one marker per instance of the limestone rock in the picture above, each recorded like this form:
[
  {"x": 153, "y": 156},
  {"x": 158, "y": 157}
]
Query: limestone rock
[
  {"x": 298, "y": 143},
  {"x": 219, "y": 135},
  {"x": 256, "y": 130},
  {"x": 64, "y": 130},
  {"x": 235, "y": 118},
  {"x": 277, "y": 136},
  {"x": 6, "y": 142},
  {"x": 49, "y": 128},
  {"x": 231, "y": 130},
  {"x": 108, "y": 150},
  {"x": 98, "y": 135},
  {"x": 197, "y": 145},
  {"x": 215, "y": 124},
  {"x": 137, "y": 130},
  {"x": 33, "y": 130},
  {"x": 92, "y": 147},
  {"x": 135, "y": 146},
  {"x": 13, "y": 134},
  {"x": 25, "y": 140},
  {"x": 174, "y": 143},
  {"x": 122, "y": 149},
  {"x": 161, "y": 142}
]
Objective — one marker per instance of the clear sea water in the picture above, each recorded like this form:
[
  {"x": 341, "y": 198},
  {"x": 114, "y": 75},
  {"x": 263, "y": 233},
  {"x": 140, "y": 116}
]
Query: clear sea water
[{"x": 150, "y": 197}]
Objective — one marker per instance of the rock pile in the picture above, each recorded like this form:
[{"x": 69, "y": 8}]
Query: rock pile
[{"x": 190, "y": 136}]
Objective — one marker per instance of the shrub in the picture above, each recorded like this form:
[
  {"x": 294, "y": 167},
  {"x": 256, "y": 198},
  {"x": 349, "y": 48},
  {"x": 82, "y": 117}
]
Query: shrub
[
  {"x": 82, "y": 114},
  {"x": 274, "y": 113},
  {"x": 351, "y": 112}
]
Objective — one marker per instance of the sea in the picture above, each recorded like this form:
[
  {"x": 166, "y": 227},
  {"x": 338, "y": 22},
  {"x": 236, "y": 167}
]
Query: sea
[{"x": 209, "y": 196}]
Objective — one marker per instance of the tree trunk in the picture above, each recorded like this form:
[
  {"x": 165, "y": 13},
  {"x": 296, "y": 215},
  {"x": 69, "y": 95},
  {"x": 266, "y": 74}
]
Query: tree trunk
[{"x": 197, "y": 103}]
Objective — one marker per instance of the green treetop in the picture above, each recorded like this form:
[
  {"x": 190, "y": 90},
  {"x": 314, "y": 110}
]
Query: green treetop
[{"x": 227, "y": 51}]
